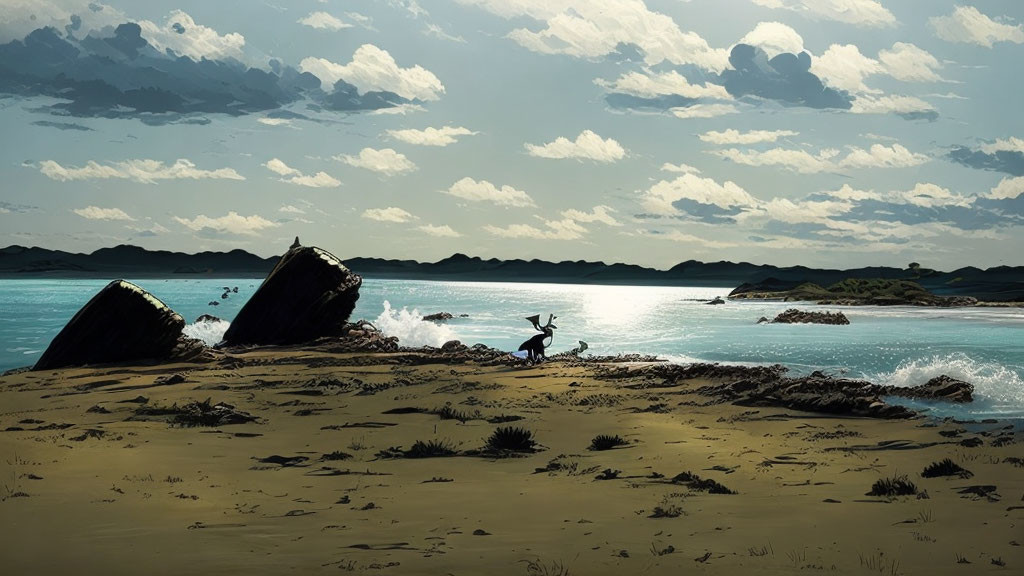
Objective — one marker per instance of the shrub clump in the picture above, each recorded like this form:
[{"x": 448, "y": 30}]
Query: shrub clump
[
  {"x": 430, "y": 449},
  {"x": 945, "y": 467},
  {"x": 895, "y": 486},
  {"x": 606, "y": 442},
  {"x": 511, "y": 439},
  {"x": 698, "y": 484}
]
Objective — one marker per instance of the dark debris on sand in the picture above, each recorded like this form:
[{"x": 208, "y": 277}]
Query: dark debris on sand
[{"x": 203, "y": 413}]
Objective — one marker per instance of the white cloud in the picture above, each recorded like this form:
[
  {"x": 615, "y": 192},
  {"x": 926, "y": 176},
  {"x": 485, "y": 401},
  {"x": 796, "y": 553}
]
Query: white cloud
[
  {"x": 374, "y": 69},
  {"x": 732, "y": 136},
  {"x": 289, "y": 209},
  {"x": 877, "y": 156},
  {"x": 596, "y": 28},
  {"x": 774, "y": 38},
  {"x": 909, "y": 63},
  {"x": 143, "y": 171},
  {"x": 292, "y": 176},
  {"x": 682, "y": 168},
  {"x": 844, "y": 67},
  {"x": 704, "y": 111},
  {"x": 1012, "y": 144},
  {"x": 894, "y": 104},
  {"x": 858, "y": 12},
  {"x": 600, "y": 214},
  {"x": 796, "y": 160},
  {"x": 1008, "y": 188},
  {"x": 967, "y": 25},
  {"x": 231, "y": 223},
  {"x": 181, "y": 34},
  {"x": 439, "y": 231},
  {"x": 930, "y": 196},
  {"x": 324, "y": 21},
  {"x": 587, "y": 146},
  {"x": 484, "y": 191},
  {"x": 384, "y": 161},
  {"x": 389, "y": 214},
  {"x": 566, "y": 229},
  {"x": 659, "y": 198},
  {"x": 881, "y": 156},
  {"x": 96, "y": 213},
  {"x": 650, "y": 84},
  {"x": 432, "y": 136},
  {"x": 848, "y": 192}
]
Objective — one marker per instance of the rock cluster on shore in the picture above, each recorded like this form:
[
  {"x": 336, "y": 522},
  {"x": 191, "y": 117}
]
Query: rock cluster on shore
[{"x": 794, "y": 316}]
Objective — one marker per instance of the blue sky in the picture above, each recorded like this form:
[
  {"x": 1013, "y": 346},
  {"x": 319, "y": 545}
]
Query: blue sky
[{"x": 824, "y": 132}]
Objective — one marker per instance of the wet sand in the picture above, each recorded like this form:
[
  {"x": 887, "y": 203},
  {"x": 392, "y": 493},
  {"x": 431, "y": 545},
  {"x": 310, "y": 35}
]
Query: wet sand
[{"x": 94, "y": 481}]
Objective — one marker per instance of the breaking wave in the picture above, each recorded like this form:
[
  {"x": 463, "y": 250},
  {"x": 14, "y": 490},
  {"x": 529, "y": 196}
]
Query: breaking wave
[
  {"x": 992, "y": 381},
  {"x": 209, "y": 332},
  {"x": 410, "y": 329}
]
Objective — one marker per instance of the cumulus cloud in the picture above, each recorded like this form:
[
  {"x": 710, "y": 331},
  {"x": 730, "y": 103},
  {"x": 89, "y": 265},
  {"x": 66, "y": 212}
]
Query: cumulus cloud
[
  {"x": 598, "y": 28},
  {"x": 432, "y": 136},
  {"x": 969, "y": 26},
  {"x": 289, "y": 209},
  {"x": 587, "y": 146},
  {"x": 1008, "y": 189},
  {"x": 648, "y": 84},
  {"x": 373, "y": 69},
  {"x": 444, "y": 231},
  {"x": 389, "y": 214},
  {"x": 774, "y": 38},
  {"x": 785, "y": 77},
  {"x": 483, "y": 191},
  {"x": 732, "y": 136},
  {"x": 877, "y": 156},
  {"x": 1001, "y": 156},
  {"x": 292, "y": 176},
  {"x": 142, "y": 171},
  {"x": 97, "y": 213},
  {"x": 858, "y": 12},
  {"x": 661, "y": 198},
  {"x": 182, "y": 35},
  {"x": 602, "y": 214},
  {"x": 231, "y": 223},
  {"x": 324, "y": 21},
  {"x": 907, "y": 62},
  {"x": 161, "y": 73},
  {"x": 385, "y": 161},
  {"x": 681, "y": 168}
]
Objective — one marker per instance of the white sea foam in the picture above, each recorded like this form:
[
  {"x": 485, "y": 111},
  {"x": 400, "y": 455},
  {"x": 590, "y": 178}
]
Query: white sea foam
[
  {"x": 210, "y": 332},
  {"x": 410, "y": 329},
  {"x": 992, "y": 381}
]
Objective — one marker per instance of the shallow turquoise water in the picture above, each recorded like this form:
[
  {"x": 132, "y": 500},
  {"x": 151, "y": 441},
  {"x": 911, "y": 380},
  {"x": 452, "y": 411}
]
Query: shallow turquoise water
[{"x": 903, "y": 346}]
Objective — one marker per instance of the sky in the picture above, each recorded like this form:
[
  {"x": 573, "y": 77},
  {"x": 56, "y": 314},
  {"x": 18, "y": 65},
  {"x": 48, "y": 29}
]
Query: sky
[{"x": 830, "y": 133}]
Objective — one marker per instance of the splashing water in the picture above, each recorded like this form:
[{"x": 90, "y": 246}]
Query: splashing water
[
  {"x": 410, "y": 329},
  {"x": 209, "y": 332},
  {"x": 991, "y": 380}
]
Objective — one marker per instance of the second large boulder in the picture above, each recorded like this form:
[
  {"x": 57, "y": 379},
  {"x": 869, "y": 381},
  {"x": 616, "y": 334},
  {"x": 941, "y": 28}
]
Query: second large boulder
[{"x": 309, "y": 294}]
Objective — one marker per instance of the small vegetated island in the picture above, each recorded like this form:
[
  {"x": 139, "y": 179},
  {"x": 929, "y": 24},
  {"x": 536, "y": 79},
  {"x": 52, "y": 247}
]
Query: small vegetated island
[{"x": 851, "y": 292}]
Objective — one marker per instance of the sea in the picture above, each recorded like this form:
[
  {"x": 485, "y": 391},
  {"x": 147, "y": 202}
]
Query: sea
[{"x": 902, "y": 346}]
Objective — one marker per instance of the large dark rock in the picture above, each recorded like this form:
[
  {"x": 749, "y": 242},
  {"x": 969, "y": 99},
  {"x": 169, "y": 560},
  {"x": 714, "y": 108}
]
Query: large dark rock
[
  {"x": 309, "y": 294},
  {"x": 121, "y": 323},
  {"x": 794, "y": 316},
  {"x": 939, "y": 388}
]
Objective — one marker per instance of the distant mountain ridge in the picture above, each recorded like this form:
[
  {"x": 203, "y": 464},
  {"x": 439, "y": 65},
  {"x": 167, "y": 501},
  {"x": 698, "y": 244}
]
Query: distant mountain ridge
[{"x": 1001, "y": 283}]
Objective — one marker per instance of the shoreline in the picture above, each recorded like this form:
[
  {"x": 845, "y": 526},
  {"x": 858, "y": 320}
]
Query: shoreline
[{"x": 322, "y": 479}]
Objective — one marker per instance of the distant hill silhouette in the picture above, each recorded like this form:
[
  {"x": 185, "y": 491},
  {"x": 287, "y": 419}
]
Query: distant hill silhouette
[{"x": 1002, "y": 283}]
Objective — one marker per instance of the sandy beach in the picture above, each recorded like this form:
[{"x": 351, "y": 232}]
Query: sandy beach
[{"x": 100, "y": 474}]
